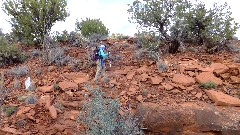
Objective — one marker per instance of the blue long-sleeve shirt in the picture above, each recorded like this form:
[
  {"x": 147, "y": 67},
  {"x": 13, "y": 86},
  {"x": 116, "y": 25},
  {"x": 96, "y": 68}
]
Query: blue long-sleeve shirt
[
  {"x": 104, "y": 55},
  {"x": 101, "y": 53}
]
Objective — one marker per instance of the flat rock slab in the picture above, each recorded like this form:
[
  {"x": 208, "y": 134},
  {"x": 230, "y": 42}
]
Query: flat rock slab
[
  {"x": 195, "y": 119},
  {"x": 183, "y": 80},
  {"x": 219, "y": 68},
  {"x": 65, "y": 85},
  {"x": 206, "y": 77},
  {"x": 222, "y": 99}
]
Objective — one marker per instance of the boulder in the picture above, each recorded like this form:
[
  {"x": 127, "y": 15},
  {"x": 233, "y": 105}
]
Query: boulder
[
  {"x": 222, "y": 99},
  {"x": 181, "y": 119}
]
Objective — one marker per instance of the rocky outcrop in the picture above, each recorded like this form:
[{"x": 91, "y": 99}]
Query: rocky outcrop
[{"x": 188, "y": 119}]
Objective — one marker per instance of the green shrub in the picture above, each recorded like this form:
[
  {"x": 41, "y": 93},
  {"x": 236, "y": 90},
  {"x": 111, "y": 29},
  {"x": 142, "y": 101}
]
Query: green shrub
[
  {"x": 55, "y": 86},
  {"x": 62, "y": 37},
  {"x": 9, "y": 110},
  {"x": 92, "y": 28},
  {"x": 208, "y": 85},
  {"x": 118, "y": 36},
  {"x": 31, "y": 99},
  {"x": 101, "y": 117},
  {"x": 179, "y": 21},
  {"x": 32, "y": 19},
  {"x": 10, "y": 54}
]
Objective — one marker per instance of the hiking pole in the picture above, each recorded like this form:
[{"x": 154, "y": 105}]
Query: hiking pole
[{"x": 110, "y": 60}]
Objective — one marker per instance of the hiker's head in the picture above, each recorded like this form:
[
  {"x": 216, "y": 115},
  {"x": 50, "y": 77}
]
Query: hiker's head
[{"x": 102, "y": 47}]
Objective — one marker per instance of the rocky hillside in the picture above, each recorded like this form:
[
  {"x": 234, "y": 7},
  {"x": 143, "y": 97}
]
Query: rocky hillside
[{"x": 185, "y": 93}]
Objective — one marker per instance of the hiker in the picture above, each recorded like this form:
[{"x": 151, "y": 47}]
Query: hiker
[{"x": 100, "y": 63}]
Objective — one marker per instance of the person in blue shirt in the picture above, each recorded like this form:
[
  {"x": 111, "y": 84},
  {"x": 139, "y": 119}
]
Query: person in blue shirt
[{"x": 100, "y": 63}]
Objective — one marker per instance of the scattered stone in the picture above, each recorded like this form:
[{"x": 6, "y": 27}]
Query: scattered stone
[
  {"x": 225, "y": 76},
  {"x": 72, "y": 115},
  {"x": 130, "y": 75},
  {"x": 199, "y": 95},
  {"x": 22, "y": 110},
  {"x": 45, "y": 100},
  {"x": 53, "y": 112},
  {"x": 206, "y": 77},
  {"x": 193, "y": 92},
  {"x": 81, "y": 80},
  {"x": 235, "y": 80},
  {"x": 156, "y": 80},
  {"x": 46, "y": 89},
  {"x": 139, "y": 98},
  {"x": 69, "y": 93},
  {"x": 74, "y": 104},
  {"x": 167, "y": 86},
  {"x": 176, "y": 91},
  {"x": 144, "y": 77},
  {"x": 206, "y": 69},
  {"x": 52, "y": 68},
  {"x": 75, "y": 76},
  {"x": 131, "y": 91},
  {"x": 10, "y": 130},
  {"x": 65, "y": 86},
  {"x": 222, "y": 99},
  {"x": 189, "y": 88},
  {"x": 183, "y": 79},
  {"x": 219, "y": 68}
]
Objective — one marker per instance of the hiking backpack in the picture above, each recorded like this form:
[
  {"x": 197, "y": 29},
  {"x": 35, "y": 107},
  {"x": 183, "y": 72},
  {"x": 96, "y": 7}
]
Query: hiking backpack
[{"x": 96, "y": 55}]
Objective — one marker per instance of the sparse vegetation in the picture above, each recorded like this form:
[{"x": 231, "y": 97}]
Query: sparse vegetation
[
  {"x": 208, "y": 85},
  {"x": 10, "y": 54},
  {"x": 19, "y": 71},
  {"x": 16, "y": 83},
  {"x": 162, "y": 66},
  {"x": 56, "y": 86},
  {"x": 37, "y": 72},
  {"x": 36, "y": 53},
  {"x": 118, "y": 36},
  {"x": 237, "y": 58},
  {"x": 31, "y": 99},
  {"x": 100, "y": 115},
  {"x": 52, "y": 53},
  {"x": 9, "y": 110}
]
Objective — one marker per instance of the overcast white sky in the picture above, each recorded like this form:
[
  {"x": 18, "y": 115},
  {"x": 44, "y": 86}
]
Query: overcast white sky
[{"x": 113, "y": 14}]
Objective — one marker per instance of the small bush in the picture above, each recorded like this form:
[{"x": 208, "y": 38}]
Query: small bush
[
  {"x": 36, "y": 53},
  {"x": 31, "y": 99},
  {"x": 19, "y": 71},
  {"x": 16, "y": 83},
  {"x": 75, "y": 39},
  {"x": 37, "y": 72},
  {"x": 90, "y": 27},
  {"x": 10, "y": 54},
  {"x": 146, "y": 39},
  {"x": 237, "y": 58},
  {"x": 56, "y": 56},
  {"x": 56, "y": 86},
  {"x": 62, "y": 37},
  {"x": 101, "y": 117},
  {"x": 208, "y": 85},
  {"x": 118, "y": 36},
  {"x": 9, "y": 110},
  {"x": 161, "y": 66}
]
